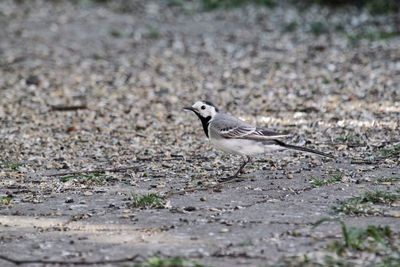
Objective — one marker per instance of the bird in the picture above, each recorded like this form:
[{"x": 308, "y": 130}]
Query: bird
[{"x": 235, "y": 136}]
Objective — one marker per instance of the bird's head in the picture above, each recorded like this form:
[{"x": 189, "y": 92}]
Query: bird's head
[{"x": 203, "y": 109}]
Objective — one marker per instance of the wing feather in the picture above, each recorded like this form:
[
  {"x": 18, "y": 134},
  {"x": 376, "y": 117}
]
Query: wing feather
[
  {"x": 249, "y": 132},
  {"x": 230, "y": 127},
  {"x": 265, "y": 134},
  {"x": 236, "y": 132}
]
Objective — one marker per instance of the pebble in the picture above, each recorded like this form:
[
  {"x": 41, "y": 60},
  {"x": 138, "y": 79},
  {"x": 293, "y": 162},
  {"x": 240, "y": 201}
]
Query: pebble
[
  {"x": 190, "y": 208},
  {"x": 392, "y": 213},
  {"x": 396, "y": 204},
  {"x": 214, "y": 209}
]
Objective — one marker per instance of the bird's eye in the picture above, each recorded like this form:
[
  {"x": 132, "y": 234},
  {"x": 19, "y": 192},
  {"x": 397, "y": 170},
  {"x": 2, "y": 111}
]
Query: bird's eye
[{"x": 203, "y": 107}]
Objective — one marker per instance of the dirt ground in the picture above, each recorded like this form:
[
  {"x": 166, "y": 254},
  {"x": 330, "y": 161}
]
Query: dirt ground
[{"x": 100, "y": 86}]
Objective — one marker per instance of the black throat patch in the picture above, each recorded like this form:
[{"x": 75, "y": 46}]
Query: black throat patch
[{"x": 205, "y": 122}]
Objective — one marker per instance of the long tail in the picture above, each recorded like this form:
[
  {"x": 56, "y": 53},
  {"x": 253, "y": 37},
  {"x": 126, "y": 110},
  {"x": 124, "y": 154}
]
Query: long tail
[{"x": 305, "y": 149}]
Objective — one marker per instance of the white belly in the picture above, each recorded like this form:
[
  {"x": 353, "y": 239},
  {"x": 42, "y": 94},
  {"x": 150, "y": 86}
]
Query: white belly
[{"x": 243, "y": 147}]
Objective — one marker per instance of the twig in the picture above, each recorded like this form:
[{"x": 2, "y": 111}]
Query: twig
[
  {"x": 68, "y": 108},
  {"x": 118, "y": 169},
  {"x": 362, "y": 161},
  {"x": 60, "y": 262}
]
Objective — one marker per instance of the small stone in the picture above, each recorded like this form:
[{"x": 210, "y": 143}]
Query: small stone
[
  {"x": 396, "y": 203},
  {"x": 392, "y": 213},
  {"x": 190, "y": 208},
  {"x": 224, "y": 230},
  {"x": 32, "y": 80},
  {"x": 88, "y": 193},
  {"x": 214, "y": 209},
  {"x": 69, "y": 200},
  {"x": 226, "y": 223},
  {"x": 290, "y": 176},
  {"x": 203, "y": 199}
]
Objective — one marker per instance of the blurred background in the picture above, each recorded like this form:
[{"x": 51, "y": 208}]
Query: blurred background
[{"x": 89, "y": 70}]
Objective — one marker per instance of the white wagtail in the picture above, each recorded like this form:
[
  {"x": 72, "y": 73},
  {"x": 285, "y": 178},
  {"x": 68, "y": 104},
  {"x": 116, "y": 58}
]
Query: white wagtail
[{"x": 238, "y": 137}]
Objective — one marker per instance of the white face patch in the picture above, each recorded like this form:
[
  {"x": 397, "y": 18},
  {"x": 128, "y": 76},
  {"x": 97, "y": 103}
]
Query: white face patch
[{"x": 204, "y": 109}]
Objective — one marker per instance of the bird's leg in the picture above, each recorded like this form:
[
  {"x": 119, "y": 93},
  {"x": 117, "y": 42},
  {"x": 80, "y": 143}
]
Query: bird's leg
[{"x": 247, "y": 160}]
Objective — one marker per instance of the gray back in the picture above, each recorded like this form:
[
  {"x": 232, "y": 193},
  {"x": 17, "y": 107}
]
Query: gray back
[{"x": 224, "y": 122}]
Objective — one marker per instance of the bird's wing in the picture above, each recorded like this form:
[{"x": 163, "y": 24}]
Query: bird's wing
[
  {"x": 227, "y": 126},
  {"x": 237, "y": 131},
  {"x": 232, "y": 128},
  {"x": 265, "y": 134}
]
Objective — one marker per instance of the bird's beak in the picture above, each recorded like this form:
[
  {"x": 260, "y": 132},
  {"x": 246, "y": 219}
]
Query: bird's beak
[{"x": 189, "y": 108}]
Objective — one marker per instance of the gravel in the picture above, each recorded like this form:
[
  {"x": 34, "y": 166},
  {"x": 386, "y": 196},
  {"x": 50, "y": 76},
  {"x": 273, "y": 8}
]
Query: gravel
[{"x": 90, "y": 86}]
